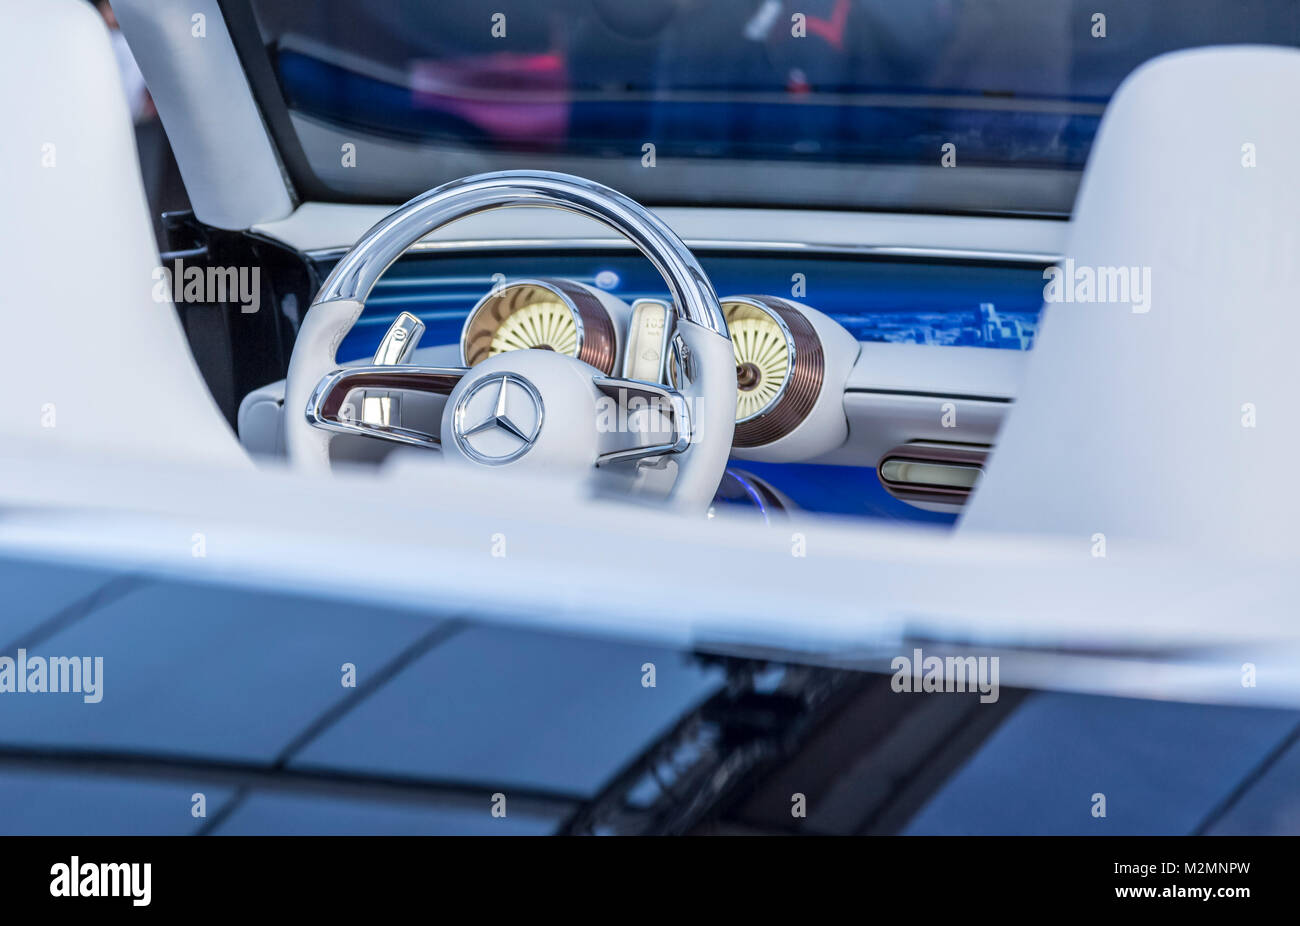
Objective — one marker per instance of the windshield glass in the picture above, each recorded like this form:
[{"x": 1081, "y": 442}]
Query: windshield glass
[{"x": 929, "y": 105}]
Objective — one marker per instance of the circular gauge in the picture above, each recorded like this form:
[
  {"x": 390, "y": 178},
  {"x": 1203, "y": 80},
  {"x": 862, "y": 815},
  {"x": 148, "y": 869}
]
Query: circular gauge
[
  {"x": 540, "y": 315},
  {"x": 763, "y": 356},
  {"x": 779, "y": 367},
  {"x": 541, "y": 325}
]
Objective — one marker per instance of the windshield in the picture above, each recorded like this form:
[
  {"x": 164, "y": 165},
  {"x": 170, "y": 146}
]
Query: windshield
[{"x": 928, "y": 105}]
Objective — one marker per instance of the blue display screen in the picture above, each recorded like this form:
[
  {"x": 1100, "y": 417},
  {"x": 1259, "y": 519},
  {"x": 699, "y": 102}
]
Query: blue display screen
[{"x": 910, "y": 302}]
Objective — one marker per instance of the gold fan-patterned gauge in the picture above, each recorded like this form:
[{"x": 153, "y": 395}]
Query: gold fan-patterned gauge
[
  {"x": 762, "y": 357},
  {"x": 545, "y": 324}
]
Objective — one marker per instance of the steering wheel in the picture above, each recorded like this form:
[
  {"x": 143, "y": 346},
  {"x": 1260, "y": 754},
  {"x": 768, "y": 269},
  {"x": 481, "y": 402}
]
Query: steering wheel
[{"x": 523, "y": 409}]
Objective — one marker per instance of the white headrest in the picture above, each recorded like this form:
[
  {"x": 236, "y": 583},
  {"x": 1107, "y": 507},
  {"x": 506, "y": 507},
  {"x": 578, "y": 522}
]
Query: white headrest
[
  {"x": 1171, "y": 416},
  {"x": 91, "y": 361}
]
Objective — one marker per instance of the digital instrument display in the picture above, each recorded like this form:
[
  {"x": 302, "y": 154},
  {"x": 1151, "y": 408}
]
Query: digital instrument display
[{"x": 643, "y": 358}]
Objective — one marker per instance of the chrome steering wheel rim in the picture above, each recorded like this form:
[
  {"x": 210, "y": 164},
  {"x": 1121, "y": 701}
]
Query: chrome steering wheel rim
[{"x": 359, "y": 270}]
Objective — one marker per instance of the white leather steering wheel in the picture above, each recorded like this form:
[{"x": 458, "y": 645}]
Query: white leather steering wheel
[{"x": 537, "y": 399}]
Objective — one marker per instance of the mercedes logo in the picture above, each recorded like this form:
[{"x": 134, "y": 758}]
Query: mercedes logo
[{"x": 498, "y": 418}]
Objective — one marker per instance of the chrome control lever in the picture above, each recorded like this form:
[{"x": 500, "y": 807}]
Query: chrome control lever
[
  {"x": 401, "y": 340},
  {"x": 399, "y": 343}
]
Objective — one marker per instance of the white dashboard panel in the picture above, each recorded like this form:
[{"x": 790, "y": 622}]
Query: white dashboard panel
[
  {"x": 879, "y": 422},
  {"x": 932, "y": 369},
  {"x": 898, "y": 393},
  {"x": 325, "y": 226}
]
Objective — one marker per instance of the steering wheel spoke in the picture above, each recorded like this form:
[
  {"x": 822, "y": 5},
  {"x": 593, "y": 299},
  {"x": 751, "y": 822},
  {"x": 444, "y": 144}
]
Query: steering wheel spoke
[
  {"x": 338, "y": 403},
  {"x": 637, "y": 407}
]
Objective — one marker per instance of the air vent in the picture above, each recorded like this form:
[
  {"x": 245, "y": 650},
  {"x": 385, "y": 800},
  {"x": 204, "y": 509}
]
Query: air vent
[{"x": 932, "y": 474}]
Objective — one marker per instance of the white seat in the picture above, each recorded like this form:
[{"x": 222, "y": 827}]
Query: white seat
[
  {"x": 1137, "y": 425},
  {"x": 92, "y": 363}
]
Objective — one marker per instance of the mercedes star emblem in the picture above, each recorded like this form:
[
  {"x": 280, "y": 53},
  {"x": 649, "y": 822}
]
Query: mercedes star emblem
[{"x": 496, "y": 426}]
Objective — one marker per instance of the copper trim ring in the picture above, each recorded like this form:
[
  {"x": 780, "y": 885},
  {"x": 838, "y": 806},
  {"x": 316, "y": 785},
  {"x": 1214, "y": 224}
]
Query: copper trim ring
[
  {"x": 597, "y": 344},
  {"x": 803, "y": 383}
]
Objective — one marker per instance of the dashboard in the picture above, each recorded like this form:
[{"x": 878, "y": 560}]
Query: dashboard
[{"x": 822, "y": 400}]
